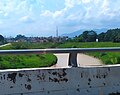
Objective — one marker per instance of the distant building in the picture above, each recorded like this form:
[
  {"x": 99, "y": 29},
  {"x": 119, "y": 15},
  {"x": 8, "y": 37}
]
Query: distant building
[
  {"x": 38, "y": 39},
  {"x": 97, "y": 40}
]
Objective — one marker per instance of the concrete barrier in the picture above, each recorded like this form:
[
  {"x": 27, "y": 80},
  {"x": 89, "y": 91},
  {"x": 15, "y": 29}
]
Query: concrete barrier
[{"x": 61, "y": 81}]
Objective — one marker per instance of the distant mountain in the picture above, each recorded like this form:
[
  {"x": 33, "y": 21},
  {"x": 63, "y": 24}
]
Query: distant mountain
[{"x": 78, "y": 32}]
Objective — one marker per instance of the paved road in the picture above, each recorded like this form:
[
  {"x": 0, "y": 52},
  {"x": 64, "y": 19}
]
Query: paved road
[
  {"x": 62, "y": 60},
  {"x": 82, "y": 60}
]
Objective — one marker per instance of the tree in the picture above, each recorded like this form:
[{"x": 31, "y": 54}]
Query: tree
[
  {"x": 89, "y": 36},
  {"x": 2, "y": 40},
  {"x": 21, "y": 38},
  {"x": 101, "y": 37},
  {"x": 85, "y": 36},
  {"x": 112, "y": 35}
]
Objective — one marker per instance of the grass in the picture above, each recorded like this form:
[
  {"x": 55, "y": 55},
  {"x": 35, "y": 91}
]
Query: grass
[
  {"x": 29, "y": 45},
  {"x": 26, "y": 61},
  {"x": 88, "y": 44},
  {"x": 107, "y": 57}
]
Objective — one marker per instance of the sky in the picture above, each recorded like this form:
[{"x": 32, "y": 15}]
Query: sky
[{"x": 41, "y": 17}]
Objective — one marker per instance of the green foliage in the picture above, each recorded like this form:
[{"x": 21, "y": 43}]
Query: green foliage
[
  {"x": 2, "y": 40},
  {"x": 30, "y": 45},
  {"x": 101, "y": 37},
  {"x": 112, "y": 35},
  {"x": 19, "y": 37},
  {"x": 107, "y": 58},
  {"x": 89, "y": 36},
  {"x": 27, "y": 61},
  {"x": 88, "y": 44},
  {"x": 25, "y": 45},
  {"x": 86, "y": 36},
  {"x": 6, "y": 47}
]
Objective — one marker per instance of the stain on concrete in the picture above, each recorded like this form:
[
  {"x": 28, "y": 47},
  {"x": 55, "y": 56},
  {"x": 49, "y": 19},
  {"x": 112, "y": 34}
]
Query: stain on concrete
[
  {"x": 11, "y": 86},
  {"x": 78, "y": 90},
  {"x": 12, "y": 77},
  {"x": 28, "y": 87},
  {"x": 41, "y": 77},
  {"x": 21, "y": 75},
  {"x": 28, "y": 80},
  {"x": 115, "y": 93},
  {"x": 58, "y": 80}
]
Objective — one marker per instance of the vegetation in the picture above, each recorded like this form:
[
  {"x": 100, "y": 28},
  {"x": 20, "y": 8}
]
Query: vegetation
[
  {"x": 26, "y": 61},
  {"x": 87, "y": 39},
  {"x": 112, "y": 35},
  {"x": 2, "y": 40},
  {"x": 88, "y": 44},
  {"x": 30, "y": 45},
  {"x": 107, "y": 57}
]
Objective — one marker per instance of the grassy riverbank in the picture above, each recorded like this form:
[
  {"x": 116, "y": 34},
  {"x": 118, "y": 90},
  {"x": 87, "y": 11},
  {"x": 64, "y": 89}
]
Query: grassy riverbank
[
  {"x": 25, "y": 61},
  {"x": 107, "y": 57}
]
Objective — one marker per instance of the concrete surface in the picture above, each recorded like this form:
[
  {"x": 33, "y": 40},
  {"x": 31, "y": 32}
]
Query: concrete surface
[
  {"x": 104, "y": 80},
  {"x": 82, "y": 60}
]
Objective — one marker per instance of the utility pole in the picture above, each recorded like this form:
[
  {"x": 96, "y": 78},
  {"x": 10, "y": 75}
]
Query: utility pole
[{"x": 57, "y": 31}]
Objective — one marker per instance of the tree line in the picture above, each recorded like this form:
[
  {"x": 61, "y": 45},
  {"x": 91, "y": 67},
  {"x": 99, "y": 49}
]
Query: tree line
[{"x": 112, "y": 35}]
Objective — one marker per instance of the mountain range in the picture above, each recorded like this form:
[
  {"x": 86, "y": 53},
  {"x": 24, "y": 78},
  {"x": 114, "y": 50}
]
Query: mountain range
[{"x": 78, "y": 32}]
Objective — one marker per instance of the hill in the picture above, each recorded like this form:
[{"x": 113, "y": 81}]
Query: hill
[{"x": 79, "y": 32}]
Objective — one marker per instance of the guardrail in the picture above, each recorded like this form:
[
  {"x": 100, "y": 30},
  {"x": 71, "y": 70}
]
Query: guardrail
[{"x": 72, "y": 52}]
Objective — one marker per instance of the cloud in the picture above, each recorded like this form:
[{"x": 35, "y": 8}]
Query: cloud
[
  {"x": 27, "y": 19},
  {"x": 46, "y": 13},
  {"x": 69, "y": 3},
  {"x": 67, "y": 14},
  {"x": 86, "y": 1}
]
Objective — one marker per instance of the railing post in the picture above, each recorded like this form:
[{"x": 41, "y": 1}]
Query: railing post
[{"x": 73, "y": 59}]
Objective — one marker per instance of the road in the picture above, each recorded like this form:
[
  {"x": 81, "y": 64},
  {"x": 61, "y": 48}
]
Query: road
[
  {"x": 5, "y": 45},
  {"x": 82, "y": 60}
]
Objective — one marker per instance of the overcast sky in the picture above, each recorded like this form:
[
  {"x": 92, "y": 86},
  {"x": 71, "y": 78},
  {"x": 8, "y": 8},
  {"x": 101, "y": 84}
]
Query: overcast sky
[{"x": 40, "y": 17}]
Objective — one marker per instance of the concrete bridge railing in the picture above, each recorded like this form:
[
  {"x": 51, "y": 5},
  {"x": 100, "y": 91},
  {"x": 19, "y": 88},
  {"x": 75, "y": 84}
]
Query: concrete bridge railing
[{"x": 102, "y": 80}]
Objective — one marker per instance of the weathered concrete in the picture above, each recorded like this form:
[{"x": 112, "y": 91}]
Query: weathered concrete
[
  {"x": 83, "y": 60},
  {"x": 62, "y": 81}
]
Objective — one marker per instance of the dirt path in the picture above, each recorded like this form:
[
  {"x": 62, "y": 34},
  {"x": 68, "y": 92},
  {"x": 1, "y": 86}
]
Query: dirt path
[
  {"x": 82, "y": 60},
  {"x": 5, "y": 45}
]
